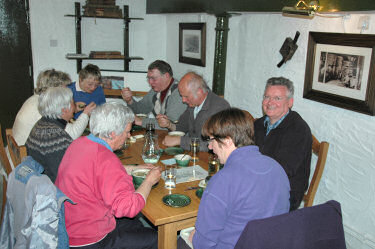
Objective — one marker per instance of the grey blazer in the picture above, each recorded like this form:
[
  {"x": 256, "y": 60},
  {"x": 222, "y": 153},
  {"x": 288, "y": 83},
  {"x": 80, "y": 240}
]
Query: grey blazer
[{"x": 192, "y": 127}]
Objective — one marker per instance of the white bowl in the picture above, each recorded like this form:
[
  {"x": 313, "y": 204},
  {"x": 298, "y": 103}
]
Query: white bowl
[
  {"x": 183, "y": 156},
  {"x": 141, "y": 115},
  {"x": 176, "y": 133}
]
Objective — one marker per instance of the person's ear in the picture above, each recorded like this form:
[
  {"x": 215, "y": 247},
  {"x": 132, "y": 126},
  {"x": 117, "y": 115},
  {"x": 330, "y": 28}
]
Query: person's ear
[
  {"x": 64, "y": 111},
  {"x": 227, "y": 141},
  {"x": 112, "y": 135},
  {"x": 290, "y": 103}
]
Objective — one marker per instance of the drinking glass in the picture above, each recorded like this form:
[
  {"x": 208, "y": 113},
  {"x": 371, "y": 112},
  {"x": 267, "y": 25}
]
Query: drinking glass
[
  {"x": 194, "y": 149},
  {"x": 213, "y": 164},
  {"x": 170, "y": 176}
]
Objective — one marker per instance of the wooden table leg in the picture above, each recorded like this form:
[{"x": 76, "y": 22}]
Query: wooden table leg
[
  {"x": 167, "y": 236},
  {"x": 167, "y": 233}
]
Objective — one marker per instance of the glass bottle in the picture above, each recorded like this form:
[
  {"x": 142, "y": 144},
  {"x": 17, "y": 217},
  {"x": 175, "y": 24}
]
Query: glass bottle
[{"x": 151, "y": 150}]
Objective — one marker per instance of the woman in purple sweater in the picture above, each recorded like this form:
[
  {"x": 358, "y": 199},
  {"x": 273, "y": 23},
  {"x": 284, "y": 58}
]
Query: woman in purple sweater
[{"x": 250, "y": 186}]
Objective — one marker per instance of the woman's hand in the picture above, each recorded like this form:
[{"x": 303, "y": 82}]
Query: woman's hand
[
  {"x": 154, "y": 175},
  {"x": 88, "y": 109}
]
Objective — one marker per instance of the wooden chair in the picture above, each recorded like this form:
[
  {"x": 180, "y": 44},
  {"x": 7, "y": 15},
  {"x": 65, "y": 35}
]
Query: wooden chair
[
  {"x": 116, "y": 93},
  {"x": 17, "y": 152},
  {"x": 321, "y": 150},
  {"x": 249, "y": 115},
  {"x": 4, "y": 161}
]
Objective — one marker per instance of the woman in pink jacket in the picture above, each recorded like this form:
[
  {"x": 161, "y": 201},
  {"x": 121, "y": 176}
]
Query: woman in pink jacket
[{"x": 92, "y": 176}]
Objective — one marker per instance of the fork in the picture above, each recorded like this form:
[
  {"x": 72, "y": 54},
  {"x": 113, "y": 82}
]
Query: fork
[{"x": 191, "y": 188}]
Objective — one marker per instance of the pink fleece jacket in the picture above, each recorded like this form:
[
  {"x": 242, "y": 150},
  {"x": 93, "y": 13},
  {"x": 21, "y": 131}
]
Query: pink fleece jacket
[{"x": 93, "y": 177}]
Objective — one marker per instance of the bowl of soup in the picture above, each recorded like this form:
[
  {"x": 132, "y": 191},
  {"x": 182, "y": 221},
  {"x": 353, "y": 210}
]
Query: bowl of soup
[{"x": 139, "y": 175}]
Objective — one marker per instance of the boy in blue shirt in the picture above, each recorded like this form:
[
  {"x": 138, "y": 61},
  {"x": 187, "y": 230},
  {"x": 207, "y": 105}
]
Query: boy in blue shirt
[{"x": 88, "y": 89}]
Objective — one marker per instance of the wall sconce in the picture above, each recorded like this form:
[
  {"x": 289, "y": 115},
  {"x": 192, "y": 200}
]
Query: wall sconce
[{"x": 302, "y": 9}]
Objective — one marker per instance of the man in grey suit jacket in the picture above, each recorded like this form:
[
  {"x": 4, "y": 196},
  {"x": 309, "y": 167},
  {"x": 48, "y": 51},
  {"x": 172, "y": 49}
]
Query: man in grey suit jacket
[{"x": 202, "y": 104}]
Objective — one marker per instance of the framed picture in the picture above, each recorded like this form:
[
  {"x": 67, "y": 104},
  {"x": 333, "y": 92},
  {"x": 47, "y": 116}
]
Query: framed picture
[
  {"x": 340, "y": 70},
  {"x": 192, "y": 43},
  {"x": 137, "y": 81}
]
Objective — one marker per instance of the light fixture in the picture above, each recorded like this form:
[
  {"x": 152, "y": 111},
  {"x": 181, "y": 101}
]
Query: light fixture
[{"x": 302, "y": 9}]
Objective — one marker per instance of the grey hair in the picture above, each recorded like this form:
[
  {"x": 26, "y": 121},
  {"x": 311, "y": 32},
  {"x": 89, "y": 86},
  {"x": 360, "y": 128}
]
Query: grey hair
[
  {"x": 197, "y": 82},
  {"x": 53, "y": 100},
  {"x": 110, "y": 117},
  {"x": 51, "y": 78},
  {"x": 281, "y": 81}
]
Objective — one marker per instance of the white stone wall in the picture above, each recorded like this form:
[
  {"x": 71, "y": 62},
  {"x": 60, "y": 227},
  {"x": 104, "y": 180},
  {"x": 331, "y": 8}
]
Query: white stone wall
[
  {"x": 253, "y": 53},
  {"x": 48, "y": 23}
]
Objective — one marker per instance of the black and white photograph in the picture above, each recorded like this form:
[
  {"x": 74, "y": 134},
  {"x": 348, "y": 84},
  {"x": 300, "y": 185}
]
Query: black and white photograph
[
  {"x": 192, "y": 43},
  {"x": 338, "y": 70},
  {"x": 343, "y": 70}
]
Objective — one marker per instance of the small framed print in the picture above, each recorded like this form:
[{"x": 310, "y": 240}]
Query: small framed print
[{"x": 192, "y": 43}]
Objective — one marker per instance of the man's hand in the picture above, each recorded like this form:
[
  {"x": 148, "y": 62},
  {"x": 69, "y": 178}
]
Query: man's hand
[
  {"x": 137, "y": 121},
  {"x": 171, "y": 140},
  {"x": 163, "y": 121},
  {"x": 88, "y": 109},
  {"x": 127, "y": 95}
]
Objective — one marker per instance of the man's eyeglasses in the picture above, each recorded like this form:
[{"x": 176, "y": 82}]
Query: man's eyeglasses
[
  {"x": 276, "y": 98},
  {"x": 152, "y": 78}
]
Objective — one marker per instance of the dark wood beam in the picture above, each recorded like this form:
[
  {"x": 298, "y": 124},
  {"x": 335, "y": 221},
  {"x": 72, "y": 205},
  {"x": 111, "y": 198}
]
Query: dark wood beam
[{"x": 222, "y": 6}]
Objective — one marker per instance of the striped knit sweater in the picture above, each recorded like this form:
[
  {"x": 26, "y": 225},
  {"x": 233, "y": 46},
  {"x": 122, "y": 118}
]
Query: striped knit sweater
[{"x": 47, "y": 144}]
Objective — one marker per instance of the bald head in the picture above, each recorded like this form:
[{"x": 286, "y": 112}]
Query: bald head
[{"x": 193, "y": 89}]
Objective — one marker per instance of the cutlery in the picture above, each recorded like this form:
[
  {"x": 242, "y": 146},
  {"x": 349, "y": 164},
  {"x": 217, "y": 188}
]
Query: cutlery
[
  {"x": 191, "y": 188},
  {"x": 125, "y": 157}
]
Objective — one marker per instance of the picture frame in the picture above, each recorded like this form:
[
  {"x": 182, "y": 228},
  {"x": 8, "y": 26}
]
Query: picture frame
[
  {"x": 340, "y": 70},
  {"x": 192, "y": 43}
]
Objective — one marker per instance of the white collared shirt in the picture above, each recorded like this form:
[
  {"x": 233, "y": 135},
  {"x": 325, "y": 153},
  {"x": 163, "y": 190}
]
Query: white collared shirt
[
  {"x": 197, "y": 109},
  {"x": 78, "y": 88}
]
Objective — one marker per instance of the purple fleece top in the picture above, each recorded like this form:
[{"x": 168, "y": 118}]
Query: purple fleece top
[{"x": 250, "y": 186}]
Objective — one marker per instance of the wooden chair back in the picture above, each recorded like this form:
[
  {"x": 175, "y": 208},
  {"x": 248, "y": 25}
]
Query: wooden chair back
[
  {"x": 116, "y": 93},
  {"x": 321, "y": 150},
  {"x": 249, "y": 115},
  {"x": 17, "y": 152},
  {"x": 4, "y": 161},
  {"x": 3, "y": 156}
]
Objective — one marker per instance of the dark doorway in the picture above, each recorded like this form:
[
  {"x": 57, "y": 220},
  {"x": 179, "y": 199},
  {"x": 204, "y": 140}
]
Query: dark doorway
[{"x": 16, "y": 77}]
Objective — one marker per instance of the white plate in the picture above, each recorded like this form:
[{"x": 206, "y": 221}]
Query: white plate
[
  {"x": 138, "y": 136},
  {"x": 141, "y": 115},
  {"x": 202, "y": 184},
  {"x": 176, "y": 133}
]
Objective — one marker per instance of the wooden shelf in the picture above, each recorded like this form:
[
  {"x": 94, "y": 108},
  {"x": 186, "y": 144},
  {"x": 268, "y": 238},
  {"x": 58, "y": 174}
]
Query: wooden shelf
[
  {"x": 109, "y": 58},
  {"x": 106, "y": 17},
  {"x": 126, "y": 58}
]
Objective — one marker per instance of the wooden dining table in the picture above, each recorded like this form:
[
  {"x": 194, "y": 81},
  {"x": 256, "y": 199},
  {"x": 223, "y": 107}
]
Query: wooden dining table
[{"x": 168, "y": 220}]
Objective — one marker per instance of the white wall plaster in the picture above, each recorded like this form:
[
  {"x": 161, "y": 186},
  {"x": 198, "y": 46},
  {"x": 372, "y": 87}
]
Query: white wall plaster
[
  {"x": 253, "y": 53},
  {"x": 47, "y": 21}
]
